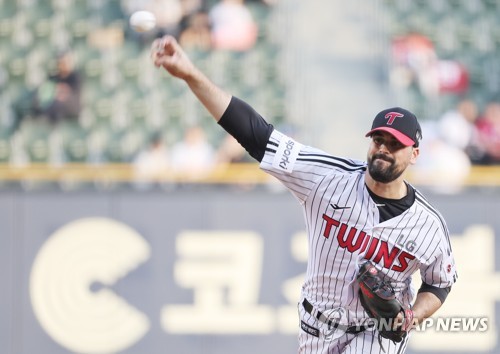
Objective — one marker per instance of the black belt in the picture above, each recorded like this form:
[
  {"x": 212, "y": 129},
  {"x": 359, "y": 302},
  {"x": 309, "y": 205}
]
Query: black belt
[{"x": 321, "y": 317}]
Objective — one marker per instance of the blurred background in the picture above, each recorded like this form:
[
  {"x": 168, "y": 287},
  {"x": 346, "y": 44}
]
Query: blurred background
[{"x": 132, "y": 223}]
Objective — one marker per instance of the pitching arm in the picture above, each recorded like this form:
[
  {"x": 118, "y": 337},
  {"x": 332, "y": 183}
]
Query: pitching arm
[
  {"x": 167, "y": 53},
  {"x": 234, "y": 115}
]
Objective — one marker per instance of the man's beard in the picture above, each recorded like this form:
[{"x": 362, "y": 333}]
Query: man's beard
[{"x": 383, "y": 174}]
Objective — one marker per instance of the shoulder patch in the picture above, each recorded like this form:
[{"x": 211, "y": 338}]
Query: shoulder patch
[{"x": 286, "y": 155}]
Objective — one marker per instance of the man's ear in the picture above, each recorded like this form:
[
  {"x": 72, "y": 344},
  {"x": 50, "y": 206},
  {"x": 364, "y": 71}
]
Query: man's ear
[{"x": 414, "y": 155}]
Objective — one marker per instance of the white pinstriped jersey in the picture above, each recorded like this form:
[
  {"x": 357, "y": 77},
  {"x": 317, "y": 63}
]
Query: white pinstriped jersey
[{"x": 342, "y": 223}]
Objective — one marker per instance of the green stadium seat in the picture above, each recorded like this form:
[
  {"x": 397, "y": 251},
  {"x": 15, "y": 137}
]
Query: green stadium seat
[
  {"x": 108, "y": 13},
  {"x": 8, "y": 11},
  {"x": 39, "y": 20},
  {"x": 138, "y": 110},
  {"x": 16, "y": 68},
  {"x": 93, "y": 70},
  {"x": 152, "y": 100},
  {"x": 133, "y": 140},
  {"x": 35, "y": 135},
  {"x": 103, "y": 110},
  {"x": 77, "y": 22},
  {"x": 114, "y": 151},
  {"x": 5, "y": 146},
  {"x": 74, "y": 142}
]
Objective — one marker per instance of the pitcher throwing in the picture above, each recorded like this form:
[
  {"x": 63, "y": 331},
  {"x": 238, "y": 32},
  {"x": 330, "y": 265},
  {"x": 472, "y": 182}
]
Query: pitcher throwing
[{"x": 368, "y": 229}]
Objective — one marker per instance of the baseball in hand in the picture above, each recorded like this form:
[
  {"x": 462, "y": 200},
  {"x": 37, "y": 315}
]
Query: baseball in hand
[{"x": 142, "y": 21}]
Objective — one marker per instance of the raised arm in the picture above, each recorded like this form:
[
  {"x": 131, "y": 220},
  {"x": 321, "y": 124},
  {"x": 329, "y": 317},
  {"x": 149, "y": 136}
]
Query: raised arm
[
  {"x": 235, "y": 116},
  {"x": 167, "y": 53}
]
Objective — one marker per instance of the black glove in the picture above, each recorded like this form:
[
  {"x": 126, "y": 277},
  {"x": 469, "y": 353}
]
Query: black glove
[{"x": 378, "y": 298}]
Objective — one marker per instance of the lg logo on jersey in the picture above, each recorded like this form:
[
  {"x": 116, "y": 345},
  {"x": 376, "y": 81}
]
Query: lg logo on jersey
[
  {"x": 408, "y": 245},
  {"x": 354, "y": 240}
]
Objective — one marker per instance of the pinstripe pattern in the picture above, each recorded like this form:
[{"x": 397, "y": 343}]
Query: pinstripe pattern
[
  {"x": 367, "y": 342},
  {"x": 342, "y": 223}
]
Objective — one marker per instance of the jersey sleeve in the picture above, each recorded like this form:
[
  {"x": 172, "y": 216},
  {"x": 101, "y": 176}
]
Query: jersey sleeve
[
  {"x": 247, "y": 126},
  {"x": 299, "y": 167},
  {"x": 440, "y": 271}
]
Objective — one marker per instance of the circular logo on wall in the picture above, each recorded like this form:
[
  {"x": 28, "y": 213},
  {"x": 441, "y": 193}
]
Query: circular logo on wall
[{"x": 72, "y": 260}]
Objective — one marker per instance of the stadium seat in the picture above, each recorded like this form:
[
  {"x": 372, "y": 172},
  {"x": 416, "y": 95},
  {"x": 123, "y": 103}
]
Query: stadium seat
[
  {"x": 117, "y": 113},
  {"x": 4, "y": 145},
  {"x": 114, "y": 151},
  {"x": 133, "y": 140},
  {"x": 35, "y": 137},
  {"x": 39, "y": 20},
  {"x": 77, "y": 21},
  {"x": 106, "y": 14},
  {"x": 8, "y": 11},
  {"x": 74, "y": 142}
]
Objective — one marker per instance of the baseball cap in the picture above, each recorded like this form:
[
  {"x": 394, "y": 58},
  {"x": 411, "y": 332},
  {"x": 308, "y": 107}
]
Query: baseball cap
[{"x": 399, "y": 122}]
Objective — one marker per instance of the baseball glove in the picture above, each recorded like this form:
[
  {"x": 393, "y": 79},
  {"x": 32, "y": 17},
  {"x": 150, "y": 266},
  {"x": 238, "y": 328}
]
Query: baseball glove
[{"x": 378, "y": 298}]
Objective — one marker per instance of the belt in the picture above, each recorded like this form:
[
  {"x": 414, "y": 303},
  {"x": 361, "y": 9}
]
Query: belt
[{"x": 321, "y": 317}]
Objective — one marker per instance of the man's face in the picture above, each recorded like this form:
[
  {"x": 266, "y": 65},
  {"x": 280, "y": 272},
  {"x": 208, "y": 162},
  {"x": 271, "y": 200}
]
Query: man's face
[{"x": 388, "y": 158}]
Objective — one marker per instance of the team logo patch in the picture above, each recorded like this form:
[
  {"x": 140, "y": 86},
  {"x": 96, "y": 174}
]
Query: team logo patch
[
  {"x": 391, "y": 116},
  {"x": 338, "y": 327},
  {"x": 287, "y": 154}
]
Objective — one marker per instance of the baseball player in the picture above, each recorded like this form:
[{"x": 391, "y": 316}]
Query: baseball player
[{"x": 355, "y": 212}]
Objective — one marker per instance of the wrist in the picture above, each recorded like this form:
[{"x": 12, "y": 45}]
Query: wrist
[
  {"x": 418, "y": 317},
  {"x": 194, "y": 77},
  {"x": 410, "y": 320}
]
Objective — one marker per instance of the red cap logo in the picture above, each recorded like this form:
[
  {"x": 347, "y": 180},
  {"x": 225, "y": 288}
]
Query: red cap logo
[{"x": 391, "y": 116}]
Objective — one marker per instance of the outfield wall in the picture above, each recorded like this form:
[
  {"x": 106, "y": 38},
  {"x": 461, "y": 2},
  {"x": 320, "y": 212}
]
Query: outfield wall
[{"x": 198, "y": 270}]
